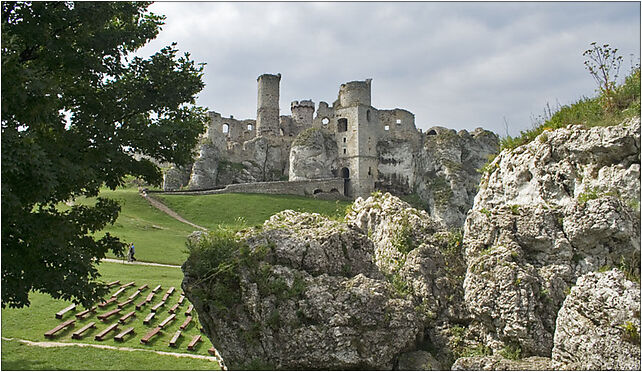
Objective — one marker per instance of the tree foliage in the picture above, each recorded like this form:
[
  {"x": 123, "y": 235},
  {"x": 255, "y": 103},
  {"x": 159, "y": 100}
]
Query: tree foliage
[{"x": 77, "y": 113}]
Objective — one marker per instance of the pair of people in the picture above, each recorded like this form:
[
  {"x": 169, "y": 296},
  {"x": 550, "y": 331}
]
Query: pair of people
[{"x": 130, "y": 254}]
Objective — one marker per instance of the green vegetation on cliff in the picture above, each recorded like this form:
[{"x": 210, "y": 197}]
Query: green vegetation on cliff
[{"x": 624, "y": 103}]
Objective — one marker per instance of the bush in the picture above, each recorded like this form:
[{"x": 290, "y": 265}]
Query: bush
[{"x": 214, "y": 261}]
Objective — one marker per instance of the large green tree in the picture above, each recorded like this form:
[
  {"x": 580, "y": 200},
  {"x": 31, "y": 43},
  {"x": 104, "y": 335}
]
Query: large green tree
[{"x": 77, "y": 111}]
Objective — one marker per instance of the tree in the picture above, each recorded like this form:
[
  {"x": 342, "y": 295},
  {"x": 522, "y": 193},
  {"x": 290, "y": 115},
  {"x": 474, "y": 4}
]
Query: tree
[
  {"x": 76, "y": 109},
  {"x": 603, "y": 64}
]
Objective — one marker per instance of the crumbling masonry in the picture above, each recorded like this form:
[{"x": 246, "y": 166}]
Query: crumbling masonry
[{"x": 366, "y": 148}]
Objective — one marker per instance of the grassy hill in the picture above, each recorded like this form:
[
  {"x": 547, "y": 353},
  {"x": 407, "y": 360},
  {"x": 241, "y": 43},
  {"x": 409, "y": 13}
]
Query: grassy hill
[{"x": 158, "y": 238}]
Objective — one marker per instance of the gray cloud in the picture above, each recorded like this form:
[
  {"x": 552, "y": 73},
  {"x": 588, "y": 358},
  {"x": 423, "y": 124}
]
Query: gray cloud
[{"x": 460, "y": 65}]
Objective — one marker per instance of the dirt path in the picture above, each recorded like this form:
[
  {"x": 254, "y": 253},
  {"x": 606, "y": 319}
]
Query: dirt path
[
  {"x": 163, "y": 208},
  {"x": 125, "y": 262},
  {"x": 216, "y": 358}
]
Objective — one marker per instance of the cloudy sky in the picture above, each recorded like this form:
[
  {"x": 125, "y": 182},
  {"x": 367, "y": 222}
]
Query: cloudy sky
[{"x": 458, "y": 65}]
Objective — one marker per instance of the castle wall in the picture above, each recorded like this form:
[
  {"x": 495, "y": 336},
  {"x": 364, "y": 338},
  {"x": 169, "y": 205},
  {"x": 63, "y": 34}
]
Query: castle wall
[
  {"x": 303, "y": 188},
  {"x": 325, "y": 113},
  {"x": 231, "y": 129},
  {"x": 267, "y": 111}
]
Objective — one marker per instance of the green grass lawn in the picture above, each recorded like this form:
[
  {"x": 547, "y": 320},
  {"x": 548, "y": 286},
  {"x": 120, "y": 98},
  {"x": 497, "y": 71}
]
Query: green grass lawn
[
  {"x": 17, "y": 356},
  {"x": 157, "y": 236},
  {"x": 242, "y": 210},
  {"x": 31, "y": 323}
]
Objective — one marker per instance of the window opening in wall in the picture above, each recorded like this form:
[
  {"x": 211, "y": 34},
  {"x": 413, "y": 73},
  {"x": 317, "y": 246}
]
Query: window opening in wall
[
  {"x": 432, "y": 132},
  {"x": 226, "y": 128},
  {"x": 344, "y": 140},
  {"x": 325, "y": 121},
  {"x": 398, "y": 121},
  {"x": 250, "y": 127},
  {"x": 368, "y": 115},
  {"x": 369, "y": 171},
  {"x": 344, "y": 151},
  {"x": 387, "y": 127},
  {"x": 342, "y": 125}
]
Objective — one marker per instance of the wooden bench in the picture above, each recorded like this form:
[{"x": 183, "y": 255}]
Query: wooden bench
[
  {"x": 180, "y": 299},
  {"x": 84, "y": 313},
  {"x": 150, "y": 296},
  {"x": 101, "y": 335},
  {"x": 167, "y": 320},
  {"x": 64, "y": 311},
  {"x": 212, "y": 351},
  {"x": 78, "y": 334},
  {"x": 127, "y": 285},
  {"x": 158, "y": 305},
  {"x": 143, "y": 287},
  {"x": 134, "y": 295},
  {"x": 118, "y": 292},
  {"x": 115, "y": 282},
  {"x": 105, "y": 303},
  {"x": 124, "y": 318},
  {"x": 51, "y": 333},
  {"x": 193, "y": 343},
  {"x": 125, "y": 303},
  {"x": 106, "y": 315},
  {"x": 121, "y": 335},
  {"x": 157, "y": 288},
  {"x": 141, "y": 304},
  {"x": 172, "y": 342},
  {"x": 149, "y": 335},
  {"x": 186, "y": 322},
  {"x": 149, "y": 318},
  {"x": 189, "y": 309},
  {"x": 172, "y": 310},
  {"x": 168, "y": 293}
]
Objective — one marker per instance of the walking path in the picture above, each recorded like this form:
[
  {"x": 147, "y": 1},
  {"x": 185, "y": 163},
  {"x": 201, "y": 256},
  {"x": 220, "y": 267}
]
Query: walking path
[
  {"x": 163, "y": 208},
  {"x": 125, "y": 262},
  {"x": 216, "y": 358}
]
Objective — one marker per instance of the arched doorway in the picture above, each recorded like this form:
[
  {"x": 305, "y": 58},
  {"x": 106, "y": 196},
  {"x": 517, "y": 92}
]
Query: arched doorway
[{"x": 345, "y": 174}]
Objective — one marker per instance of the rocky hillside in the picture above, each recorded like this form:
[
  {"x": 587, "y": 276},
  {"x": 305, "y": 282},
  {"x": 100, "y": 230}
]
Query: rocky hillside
[
  {"x": 441, "y": 169},
  {"x": 545, "y": 276}
]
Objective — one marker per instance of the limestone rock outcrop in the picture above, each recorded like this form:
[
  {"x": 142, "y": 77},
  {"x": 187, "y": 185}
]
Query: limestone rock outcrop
[
  {"x": 308, "y": 292},
  {"x": 598, "y": 326},
  {"x": 313, "y": 155},
  {"x": 547, "y": 212},
  {"x": 176, "y": 178},
  {"x": 447, "y": 175},
  {"x": 205, "y": 168},
  {"x": 442, "y": 169},
  {"x": 499, "y": 363}
]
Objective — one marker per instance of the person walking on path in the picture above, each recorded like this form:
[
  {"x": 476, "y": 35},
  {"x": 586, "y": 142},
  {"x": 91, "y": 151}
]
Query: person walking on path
[{"x": 132, "y": 251}]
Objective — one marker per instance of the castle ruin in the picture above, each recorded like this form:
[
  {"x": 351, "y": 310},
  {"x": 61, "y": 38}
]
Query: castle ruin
[{"x": 351, "y": 148}]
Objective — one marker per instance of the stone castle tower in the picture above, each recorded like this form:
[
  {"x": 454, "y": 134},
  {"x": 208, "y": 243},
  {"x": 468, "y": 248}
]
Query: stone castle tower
[
  {"x": 267, "y": 106},
  {"x": 356, "y": 135}
]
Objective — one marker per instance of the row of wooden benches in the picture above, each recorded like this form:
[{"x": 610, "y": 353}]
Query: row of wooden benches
[{"x": 120, "y": 337}]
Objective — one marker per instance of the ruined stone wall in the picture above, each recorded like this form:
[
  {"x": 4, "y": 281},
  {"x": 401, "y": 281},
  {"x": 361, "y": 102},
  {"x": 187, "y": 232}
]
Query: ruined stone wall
[
  {"x": 303, "y": 188},
  {"x": 231, "y": 129}
]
